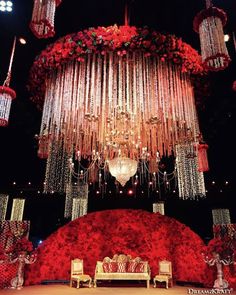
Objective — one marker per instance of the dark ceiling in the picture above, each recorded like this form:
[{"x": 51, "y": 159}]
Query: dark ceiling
[{"x": 18, "y": 147}]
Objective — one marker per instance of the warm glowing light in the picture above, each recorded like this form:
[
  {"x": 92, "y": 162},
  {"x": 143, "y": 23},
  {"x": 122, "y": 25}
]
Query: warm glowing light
[
  {"x": 226, "y": 37},
  {"x": 22, "y": 40},
  {"x": 130, "y": 192},
  {"x": 213, "y": 182},
  {"x": 226, "y": 183},
  {"x": 122, "y": 169}
]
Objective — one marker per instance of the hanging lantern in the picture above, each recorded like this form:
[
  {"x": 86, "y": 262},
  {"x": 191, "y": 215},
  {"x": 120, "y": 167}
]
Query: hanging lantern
[
  {"x": 42, "y": 23},
  {"x": 190, "y": 181},
  {"x": 6, "y": 93},
  {"x": 202, "y": 157},
  {"x": 209, "y": 24},
  {"x": 6, "y": 96}
]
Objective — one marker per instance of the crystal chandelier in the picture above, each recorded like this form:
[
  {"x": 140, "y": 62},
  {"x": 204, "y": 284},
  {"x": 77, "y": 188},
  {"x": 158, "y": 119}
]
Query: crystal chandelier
[
  {"x": 190, "y": 181},
  {"x": 209, "y": 24},
  {"x": 114, "y": 105},
  {"x": 122, "y": 169},
  {"x": 42, "y": 22},
  {"x": 6, "y": 93}
]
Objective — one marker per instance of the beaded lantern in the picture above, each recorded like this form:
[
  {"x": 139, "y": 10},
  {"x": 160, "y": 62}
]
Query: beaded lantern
[
  {"x": 209, "y": 24},
  {"x": 42, "y": 22},
  {"x": 6, "y": 93},
  {"x": 6, "y": 96}
]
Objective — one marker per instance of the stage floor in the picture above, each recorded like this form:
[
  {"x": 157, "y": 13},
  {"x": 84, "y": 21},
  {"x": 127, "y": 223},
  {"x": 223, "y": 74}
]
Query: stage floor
[{"x": 59, "y": 289}]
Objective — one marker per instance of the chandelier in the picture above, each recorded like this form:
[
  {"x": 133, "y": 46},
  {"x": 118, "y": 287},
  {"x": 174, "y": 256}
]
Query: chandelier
[
  {"x": 6, "y": 93},
  {"x": 122, "y": 169},
  {"x": 42, "y": 22},
  {"x": 115, "y": 99},
  {"x": 209, "y": 24}
]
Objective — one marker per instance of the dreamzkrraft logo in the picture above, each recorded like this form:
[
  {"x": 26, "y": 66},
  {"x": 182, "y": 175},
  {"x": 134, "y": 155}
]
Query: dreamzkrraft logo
[{"x": 210, "y": 291}]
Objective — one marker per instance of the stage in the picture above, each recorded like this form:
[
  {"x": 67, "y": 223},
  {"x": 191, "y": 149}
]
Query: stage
[{"x": 62, "y": 289}]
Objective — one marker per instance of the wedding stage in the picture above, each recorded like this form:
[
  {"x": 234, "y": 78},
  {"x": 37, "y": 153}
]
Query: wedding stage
[
  {"x": 137, "y": 233},
  {"x": 125, "y": 290}
]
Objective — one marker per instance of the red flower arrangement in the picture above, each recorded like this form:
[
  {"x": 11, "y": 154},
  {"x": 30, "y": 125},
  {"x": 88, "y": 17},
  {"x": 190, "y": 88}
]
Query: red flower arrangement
[
  {"x": 21, "y": 245},
  {"x": 117, "y": 39},
  {"x": 223, "y": 246}
]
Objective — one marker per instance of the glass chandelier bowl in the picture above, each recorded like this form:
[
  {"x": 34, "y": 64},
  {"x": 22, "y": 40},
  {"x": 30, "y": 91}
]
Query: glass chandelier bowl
[{"x": 122, "y": 169}]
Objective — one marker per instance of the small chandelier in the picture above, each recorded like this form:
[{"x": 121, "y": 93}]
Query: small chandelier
[
  {"x": 6, "y": 93},
  {"x": 42, "y": 22},
  {"x": 209, "y": 24},
  {"x": 122, "y": 169}
]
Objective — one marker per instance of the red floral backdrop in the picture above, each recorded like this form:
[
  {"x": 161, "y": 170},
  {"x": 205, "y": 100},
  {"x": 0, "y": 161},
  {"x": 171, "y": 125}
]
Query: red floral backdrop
[{"x": 139, "y": 233}]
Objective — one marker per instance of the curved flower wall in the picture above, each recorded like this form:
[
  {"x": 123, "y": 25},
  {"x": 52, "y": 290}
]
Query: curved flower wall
[{"x": 139, "y": 233}]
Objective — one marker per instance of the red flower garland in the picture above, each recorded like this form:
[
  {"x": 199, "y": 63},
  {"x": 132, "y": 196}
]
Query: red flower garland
[
  {"x": 102, "y": 40},
  {"x": 8, "y": 90}
]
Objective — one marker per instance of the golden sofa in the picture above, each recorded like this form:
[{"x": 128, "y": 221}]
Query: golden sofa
[{"x": 122, "y": 267}]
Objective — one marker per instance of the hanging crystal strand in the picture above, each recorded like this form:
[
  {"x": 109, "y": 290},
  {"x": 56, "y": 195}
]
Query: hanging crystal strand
[{"x": 102, "y": 126}]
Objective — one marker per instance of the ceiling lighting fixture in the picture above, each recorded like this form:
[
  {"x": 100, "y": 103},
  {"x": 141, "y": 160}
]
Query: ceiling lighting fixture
[
  {"x": 226, "y": 37},
  {"x": 42, "y": 22},
  {"x": 209, "y": 24},
  {"x": 117, "y": 103},
  {"x": 22, "y": 40},
  {"x": 122, "y": 169},
  {"x": 6, "y": 6},
  {"x": 6, "y": 93}
]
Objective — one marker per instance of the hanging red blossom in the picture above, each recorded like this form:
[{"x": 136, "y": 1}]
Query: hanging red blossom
[
  {"x": 202, "y": 157},
  {"x": 234, "y": 86}
]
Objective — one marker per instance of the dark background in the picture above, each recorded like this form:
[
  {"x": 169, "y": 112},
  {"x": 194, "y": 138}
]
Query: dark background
[{"x": 18, "y": 147}]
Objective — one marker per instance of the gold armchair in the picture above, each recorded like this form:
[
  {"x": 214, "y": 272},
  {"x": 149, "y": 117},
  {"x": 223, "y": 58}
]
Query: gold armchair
[
  {"x": 77, "y": 273},
  {"x": 165, "y": 273}
]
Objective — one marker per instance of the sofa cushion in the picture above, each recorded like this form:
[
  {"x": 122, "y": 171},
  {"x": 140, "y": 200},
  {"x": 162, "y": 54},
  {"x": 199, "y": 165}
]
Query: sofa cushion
[
  {"x": 131, "y": 266},
  {"x": 105, "y": 266},
  {"x": 110, "y": 266},
  {"x": 140, "y": 267},
  {"x": 113, "y": 266},
  {"x": 121, "y": 266}
]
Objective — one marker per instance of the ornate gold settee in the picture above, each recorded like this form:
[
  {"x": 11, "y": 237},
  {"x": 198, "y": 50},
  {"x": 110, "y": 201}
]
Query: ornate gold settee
[{"x": 122, "y": 267}]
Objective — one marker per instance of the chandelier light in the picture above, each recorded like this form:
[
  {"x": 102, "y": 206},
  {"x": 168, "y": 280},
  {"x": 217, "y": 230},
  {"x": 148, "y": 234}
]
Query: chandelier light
[
  {"x": 122, "y": 169},
  {"x": 116, "y": 99},
  {"x": 17, "y": 210},
  {"x": 42, "y": 22},
  {"x": 190, "y": 181},
  {"x": 221, "y": 216},
  {"x": 76, "y": 200},
  {"x": 6, "y": 93},
  {"x": 3, "y": 206},
  {"x": 209, "y": 24}
]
